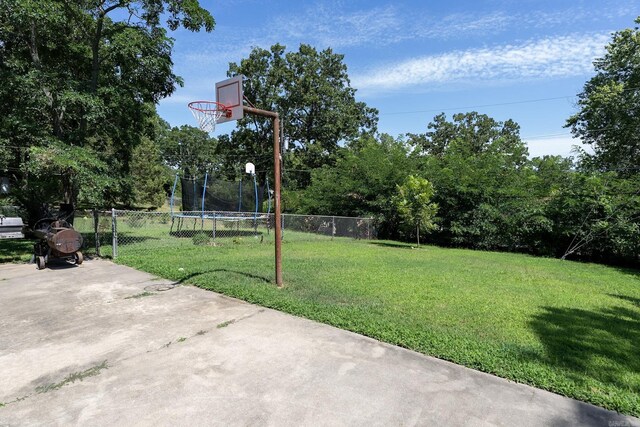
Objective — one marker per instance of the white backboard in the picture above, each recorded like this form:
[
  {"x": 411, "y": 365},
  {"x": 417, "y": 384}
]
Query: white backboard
[
  {"x": 250, "y": 168},
  {"x": 230, "y": 93}
]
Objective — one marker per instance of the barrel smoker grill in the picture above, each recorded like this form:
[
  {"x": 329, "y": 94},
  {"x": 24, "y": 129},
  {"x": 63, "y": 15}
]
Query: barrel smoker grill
[{"x": 58, "y": 239}]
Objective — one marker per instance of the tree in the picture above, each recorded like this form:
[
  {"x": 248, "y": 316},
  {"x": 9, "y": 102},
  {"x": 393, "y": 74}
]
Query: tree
[
  {"x": 478, "y": 167},
  {"x": 362, "y": 182},
  {"x": 190, "y": 150},
  {"x": 609, "y": 106},
  {"x": 149, "y": 175},
  {"x": 86, "y": 75},
  {"x": 609, "y": 120},
  {"x": 414, "y": 204},
  {"x": 553, "y": 174},
  {"x": 78, "y": 169},
  {"x": 310, "y": 89},
  {"x": 595, "y": 217},
  {"x": 471, "y": 135}
]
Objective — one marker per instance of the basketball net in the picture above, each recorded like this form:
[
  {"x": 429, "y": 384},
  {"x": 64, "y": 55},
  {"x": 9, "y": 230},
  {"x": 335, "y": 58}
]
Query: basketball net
[{"x": 207, "y": 113}]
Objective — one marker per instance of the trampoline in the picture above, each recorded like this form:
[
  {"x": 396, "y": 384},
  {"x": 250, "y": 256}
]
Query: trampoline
[{"x": 218, "y": 200}]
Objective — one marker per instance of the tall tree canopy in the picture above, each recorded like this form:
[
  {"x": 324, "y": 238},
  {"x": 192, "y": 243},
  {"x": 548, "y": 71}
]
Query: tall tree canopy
[
  {"x": 362, "y": 182},
  {"x": 609, "y": 116},
  {"x": 189, "y": 150},
  {"x": 476, "y": 165},
  {"x": 84, "y": 74},
  {"x": 311, "y": 91}
]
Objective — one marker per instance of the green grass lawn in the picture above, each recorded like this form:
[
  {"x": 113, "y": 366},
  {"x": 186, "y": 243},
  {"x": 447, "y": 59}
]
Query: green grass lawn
[{"x": 568, "y": 327}]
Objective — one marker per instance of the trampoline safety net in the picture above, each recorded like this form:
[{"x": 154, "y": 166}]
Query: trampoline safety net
[{"x": 221, "y": 195}]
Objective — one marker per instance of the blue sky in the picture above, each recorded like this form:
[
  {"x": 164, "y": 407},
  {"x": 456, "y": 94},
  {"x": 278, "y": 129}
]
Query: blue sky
[{"x": 511, "y": 59}]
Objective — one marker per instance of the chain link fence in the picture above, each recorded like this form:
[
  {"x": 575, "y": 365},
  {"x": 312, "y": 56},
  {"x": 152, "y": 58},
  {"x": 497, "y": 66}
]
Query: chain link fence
[
  {"x": 330, "y": 226},
  {"x": 110, "y": 233},
  {"x": 95, "y": 226}
]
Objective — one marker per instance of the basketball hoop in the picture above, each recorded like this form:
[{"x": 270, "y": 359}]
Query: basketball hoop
[{"x": 207, "y": 113}]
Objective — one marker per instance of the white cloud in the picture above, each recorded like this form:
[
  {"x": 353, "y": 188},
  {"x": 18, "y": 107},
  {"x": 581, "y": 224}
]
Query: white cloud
[
  {"x": 555, "y": 146},
  {"x": 331, "y": 24},
  {"x": 335, "y": 24},
  {"x": 605, "y": 11},
  {"x": 544, "y": 58},
  {"x": 458, "y": 26},
  {"x": 218, "y": 54},
  {"x": 327, "y": 26}
]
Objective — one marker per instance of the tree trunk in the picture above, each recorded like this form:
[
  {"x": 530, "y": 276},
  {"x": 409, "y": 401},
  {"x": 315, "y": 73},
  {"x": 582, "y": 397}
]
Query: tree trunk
[
  {"x": 69, "y": 195},
  {"x": 95, "y": 50},
  {"x": 418, "y": 233},
  {"x": 56, "y": 116},
  {"x": 95, "y": 43}
]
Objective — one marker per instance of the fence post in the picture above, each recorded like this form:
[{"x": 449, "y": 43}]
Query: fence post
[
  {"x": 114, "y": 233},
  {"x": 368, "y": 231},
  {"x": 333, "y": 226},
  {"x": 214, "y": 226},
  {"x": 96, "y": 236}
]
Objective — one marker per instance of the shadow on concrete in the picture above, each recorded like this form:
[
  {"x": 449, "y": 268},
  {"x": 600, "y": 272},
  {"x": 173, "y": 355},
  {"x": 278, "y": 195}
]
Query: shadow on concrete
[
  {"x": 223, "y": 270},
  {"x": 60, "y": 264},
  {"x": 583, "y": 414}
]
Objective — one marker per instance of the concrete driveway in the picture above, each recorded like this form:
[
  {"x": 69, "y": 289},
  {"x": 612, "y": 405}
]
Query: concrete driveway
[{"x": 103, "y": 344}]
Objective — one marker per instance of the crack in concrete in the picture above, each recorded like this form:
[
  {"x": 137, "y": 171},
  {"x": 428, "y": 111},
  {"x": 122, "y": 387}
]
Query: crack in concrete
[
  {"x": 73, "y": 377},
  {"x": 203, "y": 331},
  {"x": 239, "y": 319},
  {"x": 95, "y": 370},
  {"x": 69, "y": 379}
]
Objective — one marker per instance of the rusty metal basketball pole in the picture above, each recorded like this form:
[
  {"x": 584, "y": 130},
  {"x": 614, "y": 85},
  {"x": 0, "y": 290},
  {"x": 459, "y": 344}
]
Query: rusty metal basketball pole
[
  {"x": 275, "y": 118},
  {"x": 227, "y": 107}
]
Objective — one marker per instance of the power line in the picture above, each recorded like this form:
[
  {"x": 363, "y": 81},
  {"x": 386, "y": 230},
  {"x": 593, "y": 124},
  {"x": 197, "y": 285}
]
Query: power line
[
  {"x": 524, "y": 101},
  {"x": 599, "y": 130},
  {"x": 547, "y": 136}
]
